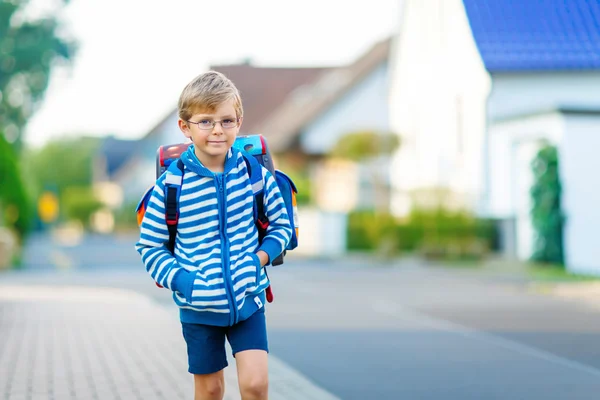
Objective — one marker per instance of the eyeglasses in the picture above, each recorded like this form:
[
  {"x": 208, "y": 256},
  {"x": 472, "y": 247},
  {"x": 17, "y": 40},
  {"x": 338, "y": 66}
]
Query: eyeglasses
[{"x": 207, "y": 124}]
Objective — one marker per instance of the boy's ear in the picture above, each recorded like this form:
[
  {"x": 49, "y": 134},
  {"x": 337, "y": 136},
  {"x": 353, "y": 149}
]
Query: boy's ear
[
  {"x": 240, "y": 123},
  {"x": 185, "y": 128}
]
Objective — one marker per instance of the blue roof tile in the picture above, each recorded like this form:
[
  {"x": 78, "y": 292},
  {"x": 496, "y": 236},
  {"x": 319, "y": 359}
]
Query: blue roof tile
[{"x": 536, "y": 35}]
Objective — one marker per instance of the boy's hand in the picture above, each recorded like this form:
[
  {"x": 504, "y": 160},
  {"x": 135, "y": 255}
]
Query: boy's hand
[{"x": 263, "y": 257}]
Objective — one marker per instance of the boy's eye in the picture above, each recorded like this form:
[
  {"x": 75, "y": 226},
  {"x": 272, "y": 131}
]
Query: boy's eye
[
  {"x": 228, "y": 121},
  {"x": 205, "y": 122}
]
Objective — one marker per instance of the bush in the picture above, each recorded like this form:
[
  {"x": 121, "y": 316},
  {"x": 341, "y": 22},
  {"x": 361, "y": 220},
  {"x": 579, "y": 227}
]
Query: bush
[
  {"x": 546, "y": 213},
  {"x": 436, "y": 233},
  {"x": 367, "y": 229},
  {"x": 452, "y": 234},
  {"x": 79, "y": 203},
  {"x": 303, "y": 185},
  {"x": 16, "y": 211},
  {"x": 126, "y": 217}
]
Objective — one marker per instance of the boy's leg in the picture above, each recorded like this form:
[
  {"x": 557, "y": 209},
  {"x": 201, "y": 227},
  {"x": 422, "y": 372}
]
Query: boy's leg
[
  {"x": 249, "y": 345},
  {"x": 253, "y": 374},
  {"x": 206, "y": 359},
  {"x": 209, "y": 386}
]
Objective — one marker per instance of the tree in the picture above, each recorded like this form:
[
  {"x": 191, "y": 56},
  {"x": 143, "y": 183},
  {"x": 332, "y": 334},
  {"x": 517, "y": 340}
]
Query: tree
[
  {"x": 15, "y": 208},
  {"x": 63, "y": 163},
  {"x": 365, "y": 145},
  {"x": 28, "y": 51},
  {"x": 546, "y": 214}
]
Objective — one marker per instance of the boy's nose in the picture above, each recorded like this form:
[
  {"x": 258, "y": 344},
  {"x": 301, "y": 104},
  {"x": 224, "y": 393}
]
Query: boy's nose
[{"x": 217, "y": 129}]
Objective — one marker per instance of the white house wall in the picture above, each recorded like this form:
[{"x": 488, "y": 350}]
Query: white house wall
[
  {"x": 518, "y": 94},
  {"x": 579, "y": 166},
  {"x": 437, "y": 102},
  {"x": 520, "y": 110},
  {"x": 504, "y": 141},
  {"x": 364, "y": 107},
  {"x": 512, "y": 147}
]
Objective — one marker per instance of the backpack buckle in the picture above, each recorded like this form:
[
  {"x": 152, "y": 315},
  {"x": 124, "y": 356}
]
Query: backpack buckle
[
  {"x": 262, "y": 224},
  {"x": 172, "y": 219}
]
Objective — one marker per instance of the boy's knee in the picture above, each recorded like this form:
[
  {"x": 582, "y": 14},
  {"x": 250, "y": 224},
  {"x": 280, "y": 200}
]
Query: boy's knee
[
  {"x": 255, "y": 388},
  {"x": 209, "y": 387}
]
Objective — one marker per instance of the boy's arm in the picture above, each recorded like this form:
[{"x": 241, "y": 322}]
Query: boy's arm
[
  {"x": 159, "y": 261},
  {"x": 279, "y": 232}
]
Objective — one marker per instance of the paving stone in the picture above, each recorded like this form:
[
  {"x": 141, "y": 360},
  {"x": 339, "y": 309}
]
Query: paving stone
[{"x": 102, "y": 344}]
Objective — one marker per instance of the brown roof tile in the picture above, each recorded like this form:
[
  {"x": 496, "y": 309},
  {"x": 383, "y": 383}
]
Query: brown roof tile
[
  {"x": 279, "y": 102},
  {"x": 306, "y": 103},
  {"x": 264, "y": 89}
]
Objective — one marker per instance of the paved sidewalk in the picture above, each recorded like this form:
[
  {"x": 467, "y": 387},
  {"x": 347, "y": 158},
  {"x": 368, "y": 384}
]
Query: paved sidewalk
[{"x": 94, "y": 343}]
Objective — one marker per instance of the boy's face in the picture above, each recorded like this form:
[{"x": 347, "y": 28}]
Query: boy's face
[{"x": 211, "y": 143}]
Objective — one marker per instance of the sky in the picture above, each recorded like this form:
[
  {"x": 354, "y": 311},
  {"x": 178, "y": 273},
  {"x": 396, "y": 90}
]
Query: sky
[{"x": 136, "y": 56}]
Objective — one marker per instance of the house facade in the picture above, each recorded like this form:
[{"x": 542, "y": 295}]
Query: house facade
[
  {"x": 261, "y": 89},
  {"x": 535, "y": 67},
  {"x": 302, "y": 112},
  {"x": 314, "y": 118},
  {"x": 438, "y": 93}
]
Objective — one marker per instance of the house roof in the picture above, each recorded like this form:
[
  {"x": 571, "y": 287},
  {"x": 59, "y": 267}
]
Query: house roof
[
  {"x": 279, "y": 102},
  {"x": 535, "y": 35},
  {"x": 263, "y": 89},
  {"x": 306, "y": 102},
  {"x": 116, "y": 152}
]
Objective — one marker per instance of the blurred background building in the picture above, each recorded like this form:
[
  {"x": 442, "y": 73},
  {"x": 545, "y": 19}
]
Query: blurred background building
[
  {"x": 479, "y": 88},
  {"x": 467, "y": 132}
]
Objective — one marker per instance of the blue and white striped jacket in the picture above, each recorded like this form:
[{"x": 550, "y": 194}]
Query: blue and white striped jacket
[{"x": 214, "y": 273}]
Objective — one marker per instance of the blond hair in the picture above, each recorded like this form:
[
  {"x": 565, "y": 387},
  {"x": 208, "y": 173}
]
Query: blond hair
[{"x": 206, "y": 92}]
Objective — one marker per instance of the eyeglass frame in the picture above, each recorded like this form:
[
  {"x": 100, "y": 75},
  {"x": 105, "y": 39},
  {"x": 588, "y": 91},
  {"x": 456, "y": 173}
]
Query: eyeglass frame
[{"x": 214, "y": 123}]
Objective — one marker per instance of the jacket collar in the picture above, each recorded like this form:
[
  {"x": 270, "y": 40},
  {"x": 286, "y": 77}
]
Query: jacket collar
[{"x": 192, "y": 163}]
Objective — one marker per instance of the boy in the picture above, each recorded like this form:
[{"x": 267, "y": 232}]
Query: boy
[{"x": 216, "y": 271}]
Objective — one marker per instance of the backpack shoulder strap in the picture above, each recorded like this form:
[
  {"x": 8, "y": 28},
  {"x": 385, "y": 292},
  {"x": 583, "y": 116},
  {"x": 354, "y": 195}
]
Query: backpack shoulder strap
[
  {"x": 256, "y": 180},
  {"x": 173, "y": 182},
  {"x": 260, "y": 218}
]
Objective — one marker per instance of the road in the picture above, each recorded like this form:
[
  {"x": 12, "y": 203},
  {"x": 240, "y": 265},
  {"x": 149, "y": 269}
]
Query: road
[{"x": 364, "y": 329}]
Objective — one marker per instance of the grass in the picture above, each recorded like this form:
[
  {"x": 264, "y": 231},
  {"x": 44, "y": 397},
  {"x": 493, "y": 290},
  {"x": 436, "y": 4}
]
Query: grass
[
  {"x": 534, "y": 272},
  {"x": 555, "y": 273},
  {"x": 460, "y": 263}
]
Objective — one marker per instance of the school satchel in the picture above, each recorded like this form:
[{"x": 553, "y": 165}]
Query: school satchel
[{"x": 255, "y": 150}]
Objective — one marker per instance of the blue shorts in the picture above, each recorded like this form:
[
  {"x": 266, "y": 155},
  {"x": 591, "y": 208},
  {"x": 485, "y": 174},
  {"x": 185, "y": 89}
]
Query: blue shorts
[{"x": 206, "y": 343}]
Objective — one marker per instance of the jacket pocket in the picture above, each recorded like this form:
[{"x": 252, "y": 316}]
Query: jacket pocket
[
  {"x": 256, "y": 263},
  {"x": 202, "y": 295}
]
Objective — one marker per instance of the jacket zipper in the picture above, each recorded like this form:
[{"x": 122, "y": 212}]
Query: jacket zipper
[{"x": 222, "y": 201}]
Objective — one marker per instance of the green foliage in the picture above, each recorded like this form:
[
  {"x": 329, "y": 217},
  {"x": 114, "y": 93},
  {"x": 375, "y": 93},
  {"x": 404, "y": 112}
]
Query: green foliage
[
  {"x": 63, "y": 163},
  {"x": 15, "y": 208},
  {"x": 451, "y": 234},
  {"x": 126, "y": 217},
  {"x": 546, "y": 214},
  {"x": 303, "y": 184},
  {"x": 28, "y": 50},
  {"x": 79, "y": 203},
  {"x": 359, "y": 146},
  {"x": 366, "y": 229},
  {"x": 435, "y": 233}
]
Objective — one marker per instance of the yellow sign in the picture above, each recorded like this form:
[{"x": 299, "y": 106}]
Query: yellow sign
[{"x": 48, "y": 207}]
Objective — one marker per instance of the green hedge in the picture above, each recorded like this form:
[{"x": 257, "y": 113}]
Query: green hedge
[{"x": 433, "y": 233}]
